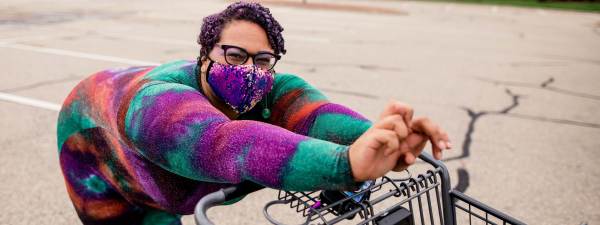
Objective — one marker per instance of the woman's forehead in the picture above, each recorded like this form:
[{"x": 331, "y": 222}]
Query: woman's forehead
[{"x": 247, "y": 35}]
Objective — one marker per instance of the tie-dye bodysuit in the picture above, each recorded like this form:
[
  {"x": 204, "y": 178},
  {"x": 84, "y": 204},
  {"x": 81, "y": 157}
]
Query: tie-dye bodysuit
[{"x": 142, "y": 145}]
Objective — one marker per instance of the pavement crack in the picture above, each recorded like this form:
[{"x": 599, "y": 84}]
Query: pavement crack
[
  {"x": 463, "y": 180},
  {"x": 40, "y": 84},
  {"x": 545, "y": 83},
  {"x": 515, "y": 99},
  {"x": 475, "y": 116},
  {"x": 543, "y": 86},
  {"x": 466, "y": 145},
  {"x": 463, "y": 174},
  {"x": 553, "y": 120}
]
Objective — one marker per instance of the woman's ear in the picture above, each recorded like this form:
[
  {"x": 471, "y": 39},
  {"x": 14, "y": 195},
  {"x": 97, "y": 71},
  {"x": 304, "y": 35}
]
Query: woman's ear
[{"x": 202, "y": 62}]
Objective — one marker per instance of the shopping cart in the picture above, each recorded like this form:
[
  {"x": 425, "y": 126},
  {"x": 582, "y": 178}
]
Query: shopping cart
[{"x": 425, "y": 199}]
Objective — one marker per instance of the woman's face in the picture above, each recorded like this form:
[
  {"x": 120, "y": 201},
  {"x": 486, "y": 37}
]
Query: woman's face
[
  {"x": 240, "y": 33},
  {"x": 243, "y": 34}
]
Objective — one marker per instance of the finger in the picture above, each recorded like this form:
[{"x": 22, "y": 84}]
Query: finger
[
  {"x": 402, "y": 161},
  {"x": 386, "y": 139},
  {"x": 398, "y": 108},
  {"x": 415, "y": 143},
  {"x": 434, "y": 133},
  {"x": 438, "y": 136},
  {"x": 416, "y": 150},
  {"x": 405, "y": 147},
  {"x": 410, "y": 158},
  {"x": 445, "y": 137},
  {"x": 394, "y": 123},
  {"x": 421, "y": 147}
]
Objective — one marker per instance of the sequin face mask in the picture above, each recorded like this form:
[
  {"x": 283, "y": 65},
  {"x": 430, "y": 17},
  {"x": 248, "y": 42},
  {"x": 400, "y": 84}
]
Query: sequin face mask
[{"x": 239, "y": 86}]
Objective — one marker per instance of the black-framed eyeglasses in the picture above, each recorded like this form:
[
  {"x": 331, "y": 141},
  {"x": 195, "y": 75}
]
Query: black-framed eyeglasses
[{"x": 235, "y": 55}]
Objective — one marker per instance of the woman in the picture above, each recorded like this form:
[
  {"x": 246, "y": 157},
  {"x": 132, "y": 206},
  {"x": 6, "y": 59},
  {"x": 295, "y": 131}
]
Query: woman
[{"x": 142, "y": 145}]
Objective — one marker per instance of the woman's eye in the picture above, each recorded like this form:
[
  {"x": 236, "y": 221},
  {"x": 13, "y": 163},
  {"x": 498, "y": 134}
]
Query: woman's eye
[
  {"x": 235, "y": 58},
  {"x": 263, "y": 58},
  {"x": 262, "y": 61}
]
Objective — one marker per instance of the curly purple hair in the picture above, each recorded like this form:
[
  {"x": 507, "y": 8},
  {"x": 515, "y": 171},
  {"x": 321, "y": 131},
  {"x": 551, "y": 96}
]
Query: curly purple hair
[{"x": 212, "y": 25}]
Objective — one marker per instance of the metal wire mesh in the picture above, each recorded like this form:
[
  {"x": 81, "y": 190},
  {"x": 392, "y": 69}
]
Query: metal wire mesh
[
  {"x": 471, "y": 211},
  {"x": 420, "y": 196},
  {"x": 424, "y": 199}
]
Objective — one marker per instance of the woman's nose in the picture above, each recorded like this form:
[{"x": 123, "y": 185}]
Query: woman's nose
[{"x": 250, "y": 61}]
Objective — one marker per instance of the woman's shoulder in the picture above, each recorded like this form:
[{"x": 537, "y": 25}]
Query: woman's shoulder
[
  {"x": 287, "y": 83},
  {"x": 289, "y": 80},
  {"x": 175, "y": 65},
  {"x": 176, "y": 71},
  {"x": 286, "y": 76}
]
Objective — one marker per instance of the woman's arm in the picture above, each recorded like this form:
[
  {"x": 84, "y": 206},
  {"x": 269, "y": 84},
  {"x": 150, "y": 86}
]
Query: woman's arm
[
  {"x": 301, "y": 108},
  {"x": 176, "y": 127}
]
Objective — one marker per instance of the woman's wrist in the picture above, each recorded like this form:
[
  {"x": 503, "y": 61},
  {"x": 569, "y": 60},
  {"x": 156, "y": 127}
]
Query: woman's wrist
[{"x": 353, "y": 162}]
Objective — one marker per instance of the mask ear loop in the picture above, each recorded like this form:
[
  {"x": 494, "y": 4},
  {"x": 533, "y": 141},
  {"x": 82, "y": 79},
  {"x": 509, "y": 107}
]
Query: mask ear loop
[
  {"x": 266, "y": 112},
  {"x": 199, "y": 73},
  {"x": 199, "y": 63}
]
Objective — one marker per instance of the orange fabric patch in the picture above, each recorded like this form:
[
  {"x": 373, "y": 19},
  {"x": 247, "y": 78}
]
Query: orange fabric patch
[
  {"x": 105, "y": 209},
  {"x": 302, "y": 114},
  {"x": 282, "y": 105}
]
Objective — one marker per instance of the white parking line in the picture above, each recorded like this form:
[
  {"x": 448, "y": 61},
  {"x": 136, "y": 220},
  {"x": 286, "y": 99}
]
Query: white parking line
[
  {"x": 11, "y": 40},
  {"x": 190, "y": 42},
  {"x": 49, "y": 105},
  {"x": 62, "y": 52},
  {"x": 76, "y": 54},
  {"x": 29, "y": 101}
]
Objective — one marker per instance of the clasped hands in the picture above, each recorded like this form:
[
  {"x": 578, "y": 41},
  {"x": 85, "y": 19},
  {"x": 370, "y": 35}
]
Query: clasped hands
[{"x": 394, "y": 142}]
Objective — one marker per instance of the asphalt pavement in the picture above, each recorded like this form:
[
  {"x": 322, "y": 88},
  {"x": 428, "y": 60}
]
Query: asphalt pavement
[{"x": 517, "y": 89}]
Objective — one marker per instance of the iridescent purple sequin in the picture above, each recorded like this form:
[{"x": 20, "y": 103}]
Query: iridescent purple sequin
[{"x": 239, "y": 86}]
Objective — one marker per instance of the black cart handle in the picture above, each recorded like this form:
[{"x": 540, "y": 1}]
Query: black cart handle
[
  {"x": 221, "y": 196},
  {"x": 247, "y": 187}
]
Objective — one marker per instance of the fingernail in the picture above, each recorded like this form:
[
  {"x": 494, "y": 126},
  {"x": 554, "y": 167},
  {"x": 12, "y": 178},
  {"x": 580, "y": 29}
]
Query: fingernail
[
  {"x": 442, "y": 144},
  {"x": 449, "y": 145}
]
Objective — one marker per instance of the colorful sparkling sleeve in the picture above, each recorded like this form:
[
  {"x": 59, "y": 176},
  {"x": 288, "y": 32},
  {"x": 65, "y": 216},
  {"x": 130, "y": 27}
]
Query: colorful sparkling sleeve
[
  {"x": 301, "y": 108},
  {"x": 176, "y": 127}
]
